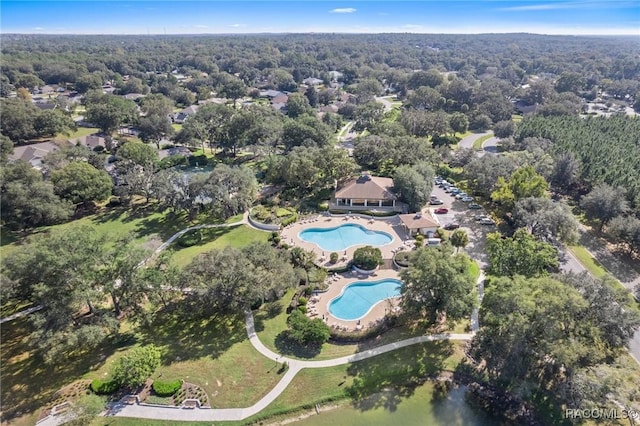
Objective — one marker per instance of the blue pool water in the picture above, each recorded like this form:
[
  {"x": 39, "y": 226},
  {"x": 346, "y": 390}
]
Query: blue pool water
[
  {"x": 344, "y": 236},
  {"x": 359, "y": 297}
]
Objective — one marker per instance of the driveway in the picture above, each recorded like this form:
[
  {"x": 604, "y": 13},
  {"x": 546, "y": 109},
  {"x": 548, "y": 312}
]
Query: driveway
[{"x": 468, "y": 141}]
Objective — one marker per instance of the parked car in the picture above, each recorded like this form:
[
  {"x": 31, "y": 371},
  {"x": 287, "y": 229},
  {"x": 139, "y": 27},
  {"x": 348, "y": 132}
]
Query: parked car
[
  {"x": 461, "y": 195},
  {"x": 487, "y": 221},
  {"x": 475, "y": 206},
  {"x": 454, "y": 191},
  {"x": 441, "y": 211},
  {"x": 479, "y": 217},
  {"x": 436, "y": 202},
  {"x": 451, "y": 226},
  {"x": 466, "y": 199}
]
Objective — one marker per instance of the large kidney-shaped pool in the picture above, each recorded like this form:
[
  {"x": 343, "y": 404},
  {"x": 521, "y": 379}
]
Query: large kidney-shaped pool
[
  {"x": 344, "y": 236},
  {"x": 359, "y": 297}
]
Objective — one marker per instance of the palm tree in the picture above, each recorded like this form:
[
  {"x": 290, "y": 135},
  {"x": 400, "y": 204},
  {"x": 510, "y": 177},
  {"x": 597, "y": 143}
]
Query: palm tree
[{"x": 459, "y": 239}]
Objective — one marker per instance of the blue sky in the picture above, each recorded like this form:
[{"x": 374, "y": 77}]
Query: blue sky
[{"x": 204, "y": 17}]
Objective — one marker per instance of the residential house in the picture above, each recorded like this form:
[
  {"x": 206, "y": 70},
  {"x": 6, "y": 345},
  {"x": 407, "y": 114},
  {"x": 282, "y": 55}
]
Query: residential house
[
  {"x": 367, "y": 193},
  {"x": 33, "y": 154},
  {"x": 270, "y": 94},
  {"x": 134, "y": 96},
  {"x": 312, "y": 81},
  {"x": 419, "y": 223},
  {"x": 89, "y": 141},
  {"x": 181, "y": 116}
]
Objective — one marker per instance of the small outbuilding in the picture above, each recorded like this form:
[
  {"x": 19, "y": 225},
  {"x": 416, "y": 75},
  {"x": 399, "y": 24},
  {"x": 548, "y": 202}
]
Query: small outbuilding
[{"x": 422, "y": 223}]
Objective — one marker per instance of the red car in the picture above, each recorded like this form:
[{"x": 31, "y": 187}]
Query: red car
[{"x": 441, "y": 211}]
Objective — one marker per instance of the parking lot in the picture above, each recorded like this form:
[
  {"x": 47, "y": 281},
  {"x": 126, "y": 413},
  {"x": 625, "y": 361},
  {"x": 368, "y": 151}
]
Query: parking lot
[{"x": 459, "y": 212}]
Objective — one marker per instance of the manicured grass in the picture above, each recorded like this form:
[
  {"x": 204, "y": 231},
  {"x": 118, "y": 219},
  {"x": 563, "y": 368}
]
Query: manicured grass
[
  {"x": 82, "y": 131},
  {"x": 516, "y": 117},
  {"x": 177, "y": 127},
  {"x": 402, "y": 369},
  {"x": 211, "y": 351},
  {"x": 477, "y": 144},
  {"x": 216, "y": 238},
  {"x": 474, "y": 270},
  {"x": 149, "y": 225},
  {"x": 28, "y": 383},
  {"x": 584, "y": 257}
]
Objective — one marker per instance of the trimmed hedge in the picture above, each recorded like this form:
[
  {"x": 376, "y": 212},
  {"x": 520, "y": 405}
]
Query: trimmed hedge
[
  {"x": 288, "y": 221},
  {"x": 162, "y": 388},
  {"x": 105, "y": 387}
]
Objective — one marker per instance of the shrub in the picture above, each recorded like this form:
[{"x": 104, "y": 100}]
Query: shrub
[
  {"x": 303, "y": 308},
  {"x": 302, "y": 301},
  {"x": 420, "y": 238},
  {"x": 367, "y": 258},
  {"x": 162, "y": 388},
  {"x": 105, "y": 387},
  {"x": 282, "y": 212},
  {"x": 172, "y": 161},
  {"x": 440, "y": 233},
  {"x": 333, "y": 257},
  {"x": 292, "y": 219},
  {"x": 308, "y": 332},
  {"x": 402, "y": 258}
]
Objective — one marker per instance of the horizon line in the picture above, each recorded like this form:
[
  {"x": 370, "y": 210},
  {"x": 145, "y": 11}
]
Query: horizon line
[{"x": 317, "y": 33}]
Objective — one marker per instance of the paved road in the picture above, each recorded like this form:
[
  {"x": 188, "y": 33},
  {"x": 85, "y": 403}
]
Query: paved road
[
  {"x": 388, "y": 106},
  {"x": 295, "y": 365},
  {"x": 468, "y": 141}
]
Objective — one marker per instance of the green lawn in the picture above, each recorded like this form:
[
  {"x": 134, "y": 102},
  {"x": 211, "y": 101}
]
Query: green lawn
[
  {"x": 215, "y": 238},
  {"x": 177, "y": 127},
  {"x": 211, "y": 351},
  {"x": 516, "y": 117},
  {"x": 149, "y": 225},
  {"x": 477, "y": 144},
  {"x": 474, "y": 270},
  {"x": 401, "y": 369},
  {"x": 82, "y": 131},
  {"x": 584, "y": 257}
]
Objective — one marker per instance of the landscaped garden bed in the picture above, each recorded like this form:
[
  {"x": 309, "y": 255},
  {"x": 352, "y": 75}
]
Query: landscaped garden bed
[
  {"x": 273, "y": 215},
  {"x": 67, "y": 394},
  {"x": 175, "y": 394}
]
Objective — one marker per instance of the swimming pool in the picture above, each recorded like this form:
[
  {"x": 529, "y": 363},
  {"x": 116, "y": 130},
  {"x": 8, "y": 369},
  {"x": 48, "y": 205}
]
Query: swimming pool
[
  {"x": 359, "y": 297},
  {"x": 344, "y": 236}
]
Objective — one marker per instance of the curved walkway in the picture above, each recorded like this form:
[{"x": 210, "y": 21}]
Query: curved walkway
[{"x": 295, "y": 365}]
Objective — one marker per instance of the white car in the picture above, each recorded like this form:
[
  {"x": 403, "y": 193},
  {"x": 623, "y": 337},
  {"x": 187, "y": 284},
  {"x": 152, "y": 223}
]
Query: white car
[
  {"x": 461, "y": 195},
  {"x": 487, "y": 221},
  {"x": 466, "y": 199}
]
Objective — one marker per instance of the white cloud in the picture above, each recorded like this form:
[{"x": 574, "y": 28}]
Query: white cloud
[
  {"x": 237, "y": 25},
  {"x": 38, "y": 29},
  {"x": 578, "y": 4},
  {"x": 343, "y": 10},
  {"x": 201, "y": 26}
]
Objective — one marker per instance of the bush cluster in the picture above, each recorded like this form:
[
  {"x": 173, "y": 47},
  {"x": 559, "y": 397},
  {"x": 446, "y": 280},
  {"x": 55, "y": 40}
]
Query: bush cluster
[
  {"x": 104, "y": 387},
  {"x": 162, "y": 388},
  {"x": 288, "y": 221}
]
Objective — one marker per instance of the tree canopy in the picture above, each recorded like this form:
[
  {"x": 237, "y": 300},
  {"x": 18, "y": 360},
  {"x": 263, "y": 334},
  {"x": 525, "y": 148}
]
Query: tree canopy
[
  {"x": 521, "y": 254},
  {"x": 437, "y": 285}
]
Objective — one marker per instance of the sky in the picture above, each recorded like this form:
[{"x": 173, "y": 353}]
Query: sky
[{"x": 573, "y": 17}]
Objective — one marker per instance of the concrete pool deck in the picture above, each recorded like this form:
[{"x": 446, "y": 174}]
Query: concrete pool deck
[
  {"x": 391, "y": 226},
  {"x": 318, "y": 306}
]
